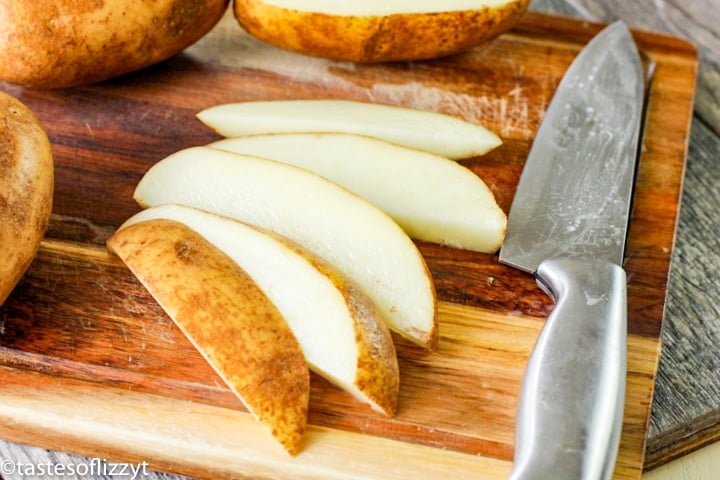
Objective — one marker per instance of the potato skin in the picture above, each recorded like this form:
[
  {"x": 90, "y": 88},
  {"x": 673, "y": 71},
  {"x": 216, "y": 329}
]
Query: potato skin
[
  {"x": 378, "y": 375},
  {"x": 227, "y": 317},
  {"x": 372, "y": 39},
  {"x": 26, "y": 190},
  {"x": 64, "y": 43}
]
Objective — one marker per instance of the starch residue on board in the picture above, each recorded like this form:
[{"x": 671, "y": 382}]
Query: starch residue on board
[{"x": 506, "y": 115}]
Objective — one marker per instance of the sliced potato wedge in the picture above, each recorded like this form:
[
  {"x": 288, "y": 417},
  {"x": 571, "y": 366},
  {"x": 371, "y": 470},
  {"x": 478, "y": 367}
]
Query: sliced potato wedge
[
  {"x": 378, "y": 30},
  {"x": 27, "y": 181},
  {"x": 349, "y": 233},
  {"x": 430, "y": 197},
  {"x": 340, "y": 331},
  {"x": 227, "y": 317},
  {"x": 432, "y": 132}
]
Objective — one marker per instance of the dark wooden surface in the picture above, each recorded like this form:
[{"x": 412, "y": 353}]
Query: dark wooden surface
[{"x": 685, "y": 410}]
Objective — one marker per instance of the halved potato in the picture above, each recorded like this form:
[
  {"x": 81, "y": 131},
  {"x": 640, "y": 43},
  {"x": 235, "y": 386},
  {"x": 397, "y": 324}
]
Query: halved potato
[
  {"x": 62, "y": 43},
  {"x": 430, "y": 197},
  {"x": 346, "y": 231},
  {"x": 378, "y": 30},
  {"x": 424, "y": 130},
  {"x": 27, "y": 181},
  {"x": 227, "y": 317},
  {"x": 342, "y": 334}
]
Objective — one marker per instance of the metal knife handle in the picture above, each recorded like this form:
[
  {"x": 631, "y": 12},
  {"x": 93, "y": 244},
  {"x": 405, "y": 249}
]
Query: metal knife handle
[{"x": 573, "y": 392}]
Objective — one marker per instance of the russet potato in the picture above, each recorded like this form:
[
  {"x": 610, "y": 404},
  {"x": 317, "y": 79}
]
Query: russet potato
[
  {"x": 62, "y": 43},
  {"x": 228, "y": 318},
  {"x": 378, "y": 30},
  {"x": 431, "y": 197},
  {"x": 339, "y": 329},
  {"x": 425, "y": 130},
  {"x": 26, "y": 190},
  {"x": 344, "y": 230}
]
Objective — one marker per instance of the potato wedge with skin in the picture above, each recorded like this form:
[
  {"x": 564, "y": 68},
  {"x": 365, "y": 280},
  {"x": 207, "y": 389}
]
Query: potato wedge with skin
[
  {"x": 227, "y": 317},
  {"x": 27, "y": 181},
  {"x": 340, "y": 331},
  {"x": 432, "y": 198},
  {"x": 346, "y": 231},
  {"x": 63, "y": 43},
  {"x": 424, "y": 130},
  {"x": 378, "y": 30}
]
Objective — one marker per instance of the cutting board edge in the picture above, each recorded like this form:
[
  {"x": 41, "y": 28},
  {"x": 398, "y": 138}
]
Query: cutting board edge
[{"x": 202, "y": 440}]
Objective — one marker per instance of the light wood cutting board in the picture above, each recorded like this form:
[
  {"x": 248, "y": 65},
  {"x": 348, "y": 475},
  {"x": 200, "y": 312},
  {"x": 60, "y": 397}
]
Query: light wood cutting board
[{"x": 90, "y": 364}]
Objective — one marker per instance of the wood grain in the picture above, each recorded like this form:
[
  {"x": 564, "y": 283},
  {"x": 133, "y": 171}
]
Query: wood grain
[
  {"x": 686, "y": 410},
  {"x": 151, "y": 371},
  {"x": 216, "y": 437},
  {"x": 79, "y": 322}
]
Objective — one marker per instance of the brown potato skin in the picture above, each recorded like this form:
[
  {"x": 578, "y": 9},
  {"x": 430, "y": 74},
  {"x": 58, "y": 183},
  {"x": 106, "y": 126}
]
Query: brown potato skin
[
  {"x": 372, "y": 39},
  {"x": 378, "y": 374},
  {"x": 64, "y": 43},
  {"x": 26, "y": 190},
  {"x": 228, "y": 319}
]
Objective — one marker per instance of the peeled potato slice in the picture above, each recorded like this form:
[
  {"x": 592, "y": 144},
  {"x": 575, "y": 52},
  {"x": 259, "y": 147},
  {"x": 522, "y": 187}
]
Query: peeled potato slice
[
  {"x": 346, "y": 231},
  {"x": 430, "y": 197},
  {"x": 26, "y": 190},
  {"x": 432, "y": 132},
  {"x": 227, "y": 317},
  {"x": 341, "y": 333}
]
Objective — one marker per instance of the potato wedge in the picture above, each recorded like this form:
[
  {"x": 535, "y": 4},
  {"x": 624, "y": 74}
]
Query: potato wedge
[
  {"x": 378, "y": 30},
  {"x": 63, "y": 43},
  {"x": 346, "y": 231},
  {"x": 27, "y": 181},
  {"x": 419, "y": 129},
  {"x": 432, "y": 198},
  {"x": 340, "y": 331},
  {"x": 227, "y": 317}
]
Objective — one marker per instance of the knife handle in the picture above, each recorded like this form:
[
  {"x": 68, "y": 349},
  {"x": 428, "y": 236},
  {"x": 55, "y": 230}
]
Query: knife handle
[{"x": 573, "y": 392}]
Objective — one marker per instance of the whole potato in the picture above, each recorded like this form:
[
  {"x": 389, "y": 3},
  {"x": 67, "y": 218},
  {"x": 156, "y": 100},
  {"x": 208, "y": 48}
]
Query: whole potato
[
  {"x": 378, "y": 30},
  {"x": 63, "y": 43},
  {"x": 26, "y": 190}
]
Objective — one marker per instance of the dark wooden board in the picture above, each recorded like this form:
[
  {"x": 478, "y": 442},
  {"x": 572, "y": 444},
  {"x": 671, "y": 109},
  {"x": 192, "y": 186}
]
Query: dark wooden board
[{"x": 80, "y": 323}]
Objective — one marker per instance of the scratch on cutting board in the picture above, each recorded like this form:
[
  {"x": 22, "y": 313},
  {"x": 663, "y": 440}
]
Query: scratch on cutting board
[
  {"x": 511, "y": 112},
  {"x": 89, "y": 129},
  {"x": 99, "y": 232}
]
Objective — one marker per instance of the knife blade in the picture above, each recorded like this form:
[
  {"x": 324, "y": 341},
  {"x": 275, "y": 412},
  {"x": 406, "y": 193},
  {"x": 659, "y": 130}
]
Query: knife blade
[{"x": 567, "y": 225}]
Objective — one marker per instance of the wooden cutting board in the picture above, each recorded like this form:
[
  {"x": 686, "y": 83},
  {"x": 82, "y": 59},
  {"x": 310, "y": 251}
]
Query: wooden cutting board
[{"x": 90, "y": 364}]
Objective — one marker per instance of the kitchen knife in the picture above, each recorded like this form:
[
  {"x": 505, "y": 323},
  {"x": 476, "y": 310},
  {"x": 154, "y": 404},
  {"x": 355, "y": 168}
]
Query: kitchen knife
[{"x": 567, "y": 225}]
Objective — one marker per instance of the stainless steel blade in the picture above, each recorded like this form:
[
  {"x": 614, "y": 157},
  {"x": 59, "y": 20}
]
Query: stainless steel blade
[{"x": 573, "y": 198}]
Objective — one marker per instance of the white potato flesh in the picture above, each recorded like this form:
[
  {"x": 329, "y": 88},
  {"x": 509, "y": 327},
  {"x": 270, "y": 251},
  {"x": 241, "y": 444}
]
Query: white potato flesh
[
  {"x": 384, "y": 7},
  {"x": 345, "y": 230},
  {"x": 314, "y": 307},
  {"x": 432, "y": 198},
  {"x": 432, "y": 132}
]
